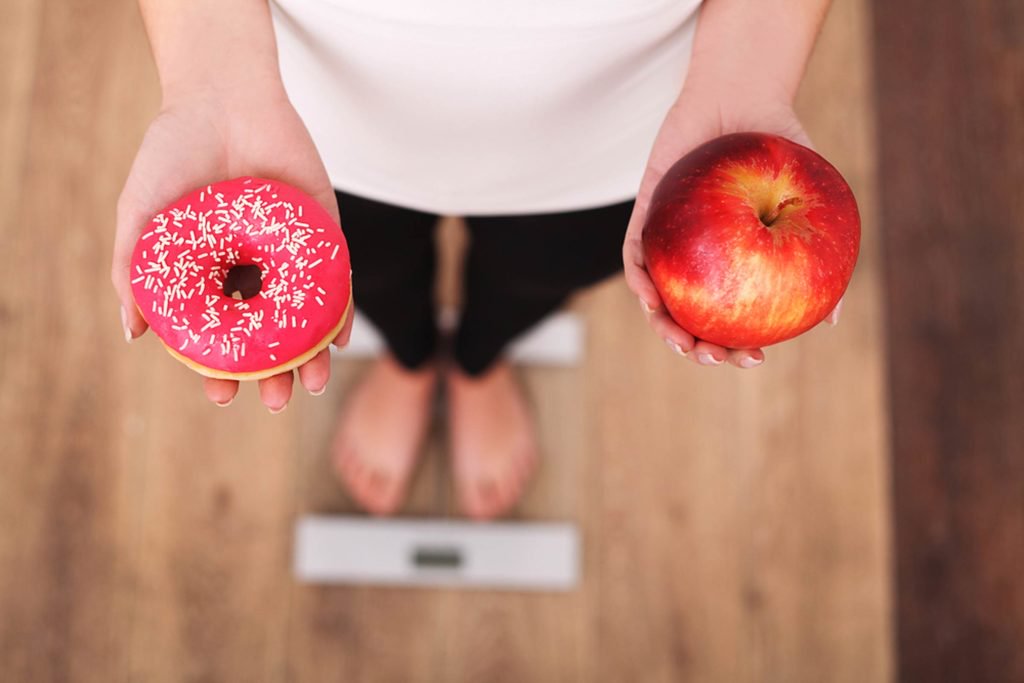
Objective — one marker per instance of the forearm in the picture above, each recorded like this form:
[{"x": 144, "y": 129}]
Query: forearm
[
  {"x": 751, "y": 50},
  {"x": 211, "y": 45}
]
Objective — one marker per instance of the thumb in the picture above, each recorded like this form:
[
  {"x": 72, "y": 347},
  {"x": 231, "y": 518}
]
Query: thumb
[
  {"x": 326, "y": 198},
  {"x": 132, "y": 321}
]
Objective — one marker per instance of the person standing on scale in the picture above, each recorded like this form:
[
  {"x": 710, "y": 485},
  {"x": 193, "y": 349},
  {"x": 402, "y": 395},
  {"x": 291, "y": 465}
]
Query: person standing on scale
[{"x": 545, "y": 124}]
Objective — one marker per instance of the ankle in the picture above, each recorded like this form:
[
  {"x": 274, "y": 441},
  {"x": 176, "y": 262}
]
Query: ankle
[
  {"x": 455, "y": 372},
  {"x": 428, "y": 369}
]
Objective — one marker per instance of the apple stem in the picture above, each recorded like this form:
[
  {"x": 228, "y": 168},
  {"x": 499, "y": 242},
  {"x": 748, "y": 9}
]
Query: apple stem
[{"x": 769, "y": 218}]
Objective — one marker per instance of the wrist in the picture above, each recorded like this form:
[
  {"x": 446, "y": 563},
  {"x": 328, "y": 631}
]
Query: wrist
[
  {"x": 228, "y": 92},
  {"x": 219, "y": 50},
  {"x": 729, "y": 92},
  {"x": 747, "y": 53}
]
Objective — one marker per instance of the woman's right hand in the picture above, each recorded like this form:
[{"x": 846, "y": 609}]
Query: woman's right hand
[{"x": 207, "y": 135}]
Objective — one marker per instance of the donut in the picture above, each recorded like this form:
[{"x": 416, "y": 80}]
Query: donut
[{"x": 243, "y": 279}]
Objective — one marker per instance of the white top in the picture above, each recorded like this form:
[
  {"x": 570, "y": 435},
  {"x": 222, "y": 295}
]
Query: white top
[{"x": 484, "y": 107}]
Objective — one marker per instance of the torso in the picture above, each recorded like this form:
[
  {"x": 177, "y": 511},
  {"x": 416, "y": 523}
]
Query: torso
[{"x": 480, "y": 107}]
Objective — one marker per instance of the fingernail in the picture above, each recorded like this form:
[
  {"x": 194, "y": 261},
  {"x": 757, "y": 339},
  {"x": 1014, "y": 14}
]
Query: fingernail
[
  {"x": 750, "y": 362},
  {"x": 707, "y": 359},
  {"x": 276, "y": 411},
  {"x": 647, "y": 309},
  {"x": 319, "y": 391},
  {"x": 124, "y": 326},
  {"x": 225, "y": 404},
  {"x": 675, "y": 347}
]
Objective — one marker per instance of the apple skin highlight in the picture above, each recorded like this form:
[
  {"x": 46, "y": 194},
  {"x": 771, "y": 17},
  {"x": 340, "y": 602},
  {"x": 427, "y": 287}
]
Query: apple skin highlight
[{"x": 751, "y": 239}]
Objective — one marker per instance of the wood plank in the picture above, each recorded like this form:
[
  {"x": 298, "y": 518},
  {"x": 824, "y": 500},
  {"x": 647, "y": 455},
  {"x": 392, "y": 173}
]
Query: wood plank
[
  {"x": 19, "y": 51},
  {"x": 950, "y": 98},
  {"x": 743, "y": 514},
  {"x": 146, "y": 534},
  {"x": 358, "y": 633},
  {"x": 66, "y": 489}
]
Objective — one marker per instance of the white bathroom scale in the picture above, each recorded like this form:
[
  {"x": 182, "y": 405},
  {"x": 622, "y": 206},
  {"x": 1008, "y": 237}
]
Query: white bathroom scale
[
  {"x": 557, "y": 340},
  {"x": 528, "y": 556}
]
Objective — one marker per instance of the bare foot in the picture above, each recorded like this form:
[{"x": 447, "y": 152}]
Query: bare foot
[
  {"x": 493, "y": 440},
  {"x": 380, "y": 433}
]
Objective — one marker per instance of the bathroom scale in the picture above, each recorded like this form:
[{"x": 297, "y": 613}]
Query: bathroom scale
[
  {"x": 540, "y": 556},
  {"x": 526, "y": 556}
]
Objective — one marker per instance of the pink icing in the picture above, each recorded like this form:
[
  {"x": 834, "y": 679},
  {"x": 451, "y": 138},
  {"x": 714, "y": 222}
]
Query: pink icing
[{"x": 184, "y": 254}]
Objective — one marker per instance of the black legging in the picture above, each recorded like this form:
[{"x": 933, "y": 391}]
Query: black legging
[{"x": 518, "y": 270}]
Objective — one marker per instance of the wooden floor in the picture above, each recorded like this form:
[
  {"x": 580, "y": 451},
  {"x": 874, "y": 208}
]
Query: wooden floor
[
  {"x": 951, "y": 115},
  {"x": 735, "y": 523}
]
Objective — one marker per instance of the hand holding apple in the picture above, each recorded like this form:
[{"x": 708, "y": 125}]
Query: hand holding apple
[
  {"x": 692, "y": 121},
  {"x": 751, "y": 239}
]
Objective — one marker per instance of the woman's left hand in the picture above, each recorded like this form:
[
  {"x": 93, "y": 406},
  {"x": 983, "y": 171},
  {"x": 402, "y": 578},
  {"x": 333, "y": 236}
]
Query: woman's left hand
[{"x": 694, "y": 119}]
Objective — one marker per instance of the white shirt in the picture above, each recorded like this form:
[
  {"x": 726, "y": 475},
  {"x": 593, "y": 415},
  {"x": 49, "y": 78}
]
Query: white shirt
[{"x": 485, "y": 107}]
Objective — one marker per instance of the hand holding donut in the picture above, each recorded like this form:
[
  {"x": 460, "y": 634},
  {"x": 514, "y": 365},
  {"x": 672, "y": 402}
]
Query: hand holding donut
[{"x": 201, "y": 138}]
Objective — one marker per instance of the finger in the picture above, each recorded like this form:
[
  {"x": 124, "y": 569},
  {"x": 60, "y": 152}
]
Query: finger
[
  {"x": 341, "y": 341},
  {"x": 745, "y": 358},
  {"x": 678, "y": 339},
  {"x": 637, "y": 278},
  {"x": 132, "y": 322},
  {"x": 833, "y": 317},
  {"x": 220, "y": 391},
  {"x": 799, "y": 136},
  {"x": 326, "y": 198},
  {"x": 706, "y": 353},
  {"x": 314, "y": 373},
  {"x": 276, "y": 391}
]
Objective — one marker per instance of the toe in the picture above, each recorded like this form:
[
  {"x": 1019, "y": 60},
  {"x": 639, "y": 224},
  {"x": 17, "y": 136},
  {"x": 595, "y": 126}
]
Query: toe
[
  {"x": 387, "y": 493},
  {"x": 492, "y": 498},
  {"x": 477, "y": 499}
]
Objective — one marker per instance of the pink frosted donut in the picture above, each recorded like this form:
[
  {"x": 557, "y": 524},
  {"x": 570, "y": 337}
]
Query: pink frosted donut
[{"x": 243, "y": 279}]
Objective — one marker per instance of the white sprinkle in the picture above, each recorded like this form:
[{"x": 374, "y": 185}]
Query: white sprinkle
[
  {"x": 335, "y": 252},
  {"x": 273, "y": 344},
  {"x": 273, "y": 357},
  {"x": 320, "y": 301},
  {"x": 304, "y": 321}
]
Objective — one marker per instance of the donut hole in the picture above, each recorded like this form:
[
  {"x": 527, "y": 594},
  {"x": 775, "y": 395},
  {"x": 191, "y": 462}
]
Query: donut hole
[{"x": 243, "y": 281}]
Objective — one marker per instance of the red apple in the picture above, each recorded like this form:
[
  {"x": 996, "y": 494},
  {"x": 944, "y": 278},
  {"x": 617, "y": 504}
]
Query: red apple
[{"x": 751, "y": 239}]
